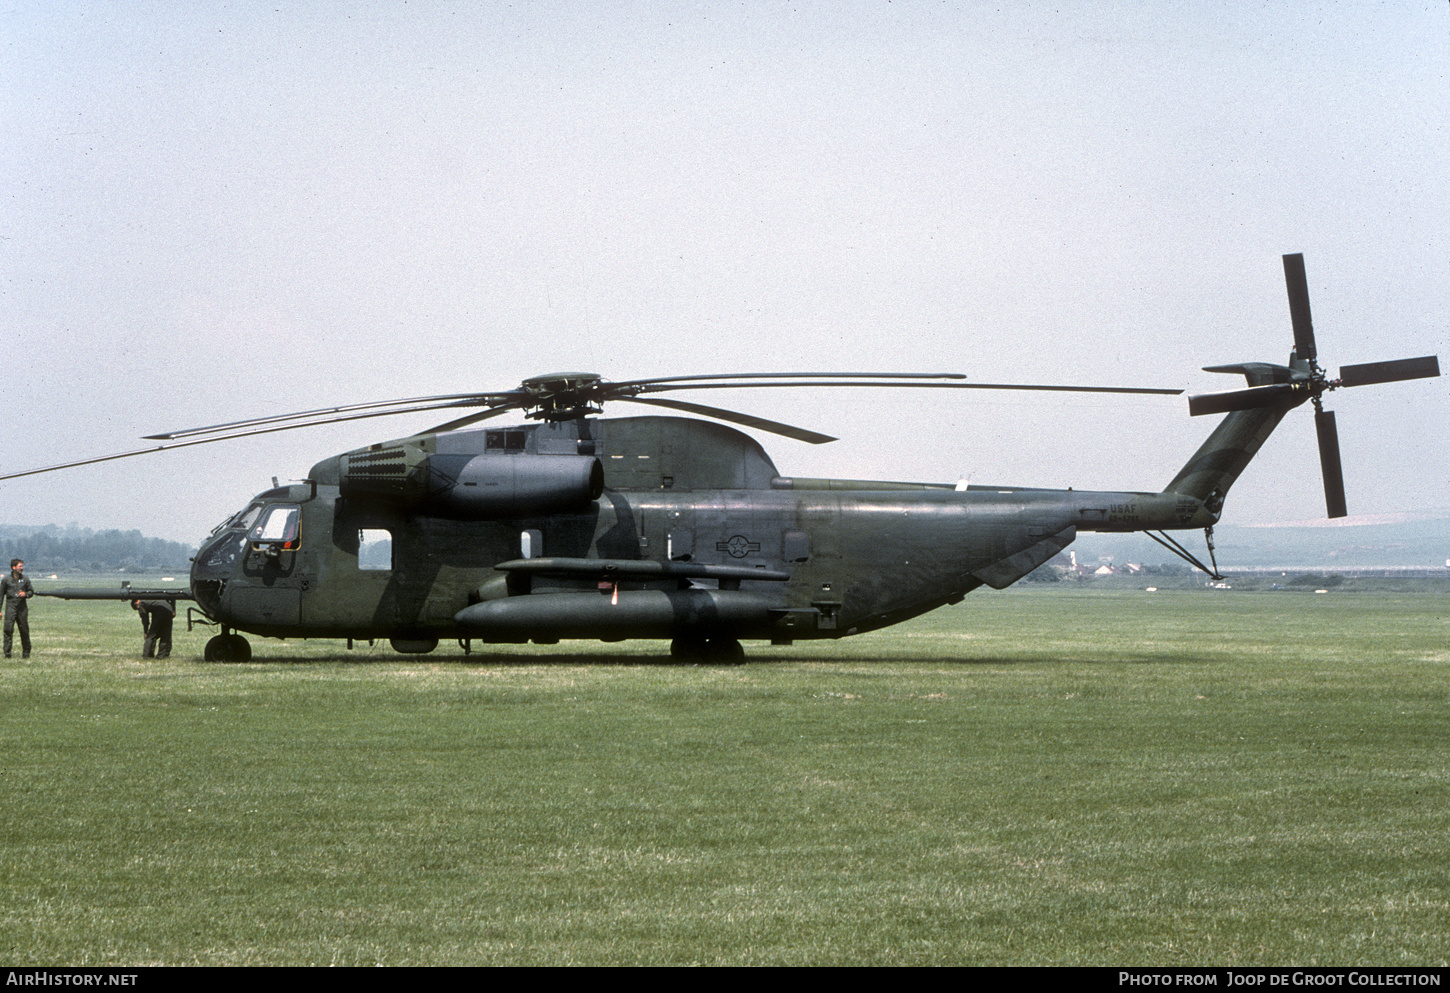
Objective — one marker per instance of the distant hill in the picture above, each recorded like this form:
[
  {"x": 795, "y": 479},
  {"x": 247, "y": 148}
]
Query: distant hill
[
  {"x": 1360, "y": 544},
  {"x": 53, "y": 548}
]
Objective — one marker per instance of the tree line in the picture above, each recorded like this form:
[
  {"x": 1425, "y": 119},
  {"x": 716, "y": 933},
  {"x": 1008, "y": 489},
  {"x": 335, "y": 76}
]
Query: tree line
[{"x": 55, "y": 549}]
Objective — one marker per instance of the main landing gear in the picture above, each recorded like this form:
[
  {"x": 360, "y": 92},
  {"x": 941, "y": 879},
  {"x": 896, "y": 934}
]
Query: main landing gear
[
  {"x": 228, "y": 647},
  {"x": 717, "y": 651}
]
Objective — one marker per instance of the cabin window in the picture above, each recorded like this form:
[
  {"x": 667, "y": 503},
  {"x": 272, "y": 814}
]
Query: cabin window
[
  {"x": 795, "y": 546},
  {"x": 507, "y": 440},
  {"x": 531, "y": 544},
  {"x": 278, "y": 526},
  {"x": 374, "y": 549},
  {"x": 680, "y": 546}
]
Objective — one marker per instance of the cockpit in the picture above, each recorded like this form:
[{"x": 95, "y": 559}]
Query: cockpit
[{"x": 253, "y": 539}]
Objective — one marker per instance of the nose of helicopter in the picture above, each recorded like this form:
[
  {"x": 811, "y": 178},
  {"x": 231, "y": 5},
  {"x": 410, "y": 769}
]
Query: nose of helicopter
[{"x": 214, "y": 564}]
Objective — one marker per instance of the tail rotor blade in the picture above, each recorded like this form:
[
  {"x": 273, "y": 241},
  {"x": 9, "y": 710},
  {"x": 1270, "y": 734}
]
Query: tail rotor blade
[
  {"x": 1298, "y": 286},
  {"x": 1426, "y": 367},
  {"x": 1329, "y": 463}
]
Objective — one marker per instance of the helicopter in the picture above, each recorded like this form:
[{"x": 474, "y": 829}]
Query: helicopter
[{"x": 673, "y": 528}]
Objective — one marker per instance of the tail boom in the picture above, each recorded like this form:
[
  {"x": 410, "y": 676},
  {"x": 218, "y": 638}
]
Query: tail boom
[{"x": 1219, "y": 462}]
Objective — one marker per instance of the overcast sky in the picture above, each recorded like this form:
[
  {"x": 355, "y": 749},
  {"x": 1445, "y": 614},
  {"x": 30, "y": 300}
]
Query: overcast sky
[{"x": 215, "y": 211}]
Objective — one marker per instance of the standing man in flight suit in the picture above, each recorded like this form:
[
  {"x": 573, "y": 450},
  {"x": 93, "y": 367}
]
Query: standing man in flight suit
[{"x": 16, "y": 590}]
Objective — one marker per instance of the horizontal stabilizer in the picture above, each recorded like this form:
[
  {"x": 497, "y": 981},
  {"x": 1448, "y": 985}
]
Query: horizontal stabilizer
[{"x": 1252, "y": 398}]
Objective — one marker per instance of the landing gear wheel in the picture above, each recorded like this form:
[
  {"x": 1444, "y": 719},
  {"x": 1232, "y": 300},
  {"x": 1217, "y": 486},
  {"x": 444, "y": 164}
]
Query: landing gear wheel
[
  {"x": 707, "y": 651},
  {"x": 727, "y": 651},
  {"x": 228, "y": 648},
  {"x": 688, "y": 651}
]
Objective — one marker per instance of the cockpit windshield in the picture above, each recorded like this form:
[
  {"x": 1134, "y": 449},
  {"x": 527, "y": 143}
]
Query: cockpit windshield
[{"x": 241, "y": 520}]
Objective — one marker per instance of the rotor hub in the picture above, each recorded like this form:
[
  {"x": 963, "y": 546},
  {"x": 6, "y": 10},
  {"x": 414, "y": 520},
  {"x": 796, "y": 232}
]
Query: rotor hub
[{"x": 563, "y": 396}]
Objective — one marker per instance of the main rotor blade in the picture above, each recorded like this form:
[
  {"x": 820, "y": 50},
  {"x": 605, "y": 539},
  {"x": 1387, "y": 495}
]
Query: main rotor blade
[
  {"x": 1298, "y": 286},
  {"x": 105, "y": 458},
  {"x": 1426, "y": 367},
  {"x": 463, "y": 422},
  {"x": 1042, "y": 387},
  {"x": 784, "y": 375},
  {"x": 747, "y": 420},
  {"x": 233, "y": 435},
  {"x": 1250, "y": 399},
  {"x": 1329, "y": 463},
  {"x": 347, "y": 413}
]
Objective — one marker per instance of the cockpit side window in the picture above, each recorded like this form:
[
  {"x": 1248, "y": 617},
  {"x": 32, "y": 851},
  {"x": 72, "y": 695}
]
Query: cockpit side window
[{"x": 278, "y": 526}]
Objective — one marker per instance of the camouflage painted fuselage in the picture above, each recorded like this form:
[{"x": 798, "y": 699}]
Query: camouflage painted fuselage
[{"x": 648, "y": 527}]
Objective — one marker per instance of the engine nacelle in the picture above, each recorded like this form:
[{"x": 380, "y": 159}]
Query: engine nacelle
[
  {"x": 483, "y": 486},
  {"x": 471, "y": 487}
]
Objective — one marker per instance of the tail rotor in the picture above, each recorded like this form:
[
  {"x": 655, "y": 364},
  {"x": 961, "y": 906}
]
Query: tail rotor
[{"x": 1304, "y": 379}]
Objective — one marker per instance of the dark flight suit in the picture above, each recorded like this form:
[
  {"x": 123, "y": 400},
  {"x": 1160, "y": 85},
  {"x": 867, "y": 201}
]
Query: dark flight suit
[
  {"x": 156, "y": 618},
  {"x": 17, "y": 592}
]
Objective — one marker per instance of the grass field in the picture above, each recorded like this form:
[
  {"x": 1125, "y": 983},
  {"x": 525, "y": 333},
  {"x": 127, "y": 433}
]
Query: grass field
[{"x": 1041, "y": 776}]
